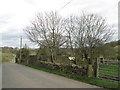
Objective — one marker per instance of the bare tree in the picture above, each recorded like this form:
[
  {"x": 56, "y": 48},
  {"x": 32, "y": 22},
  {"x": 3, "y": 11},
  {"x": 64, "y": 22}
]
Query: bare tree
[
  {"x": 86, "y": 33},
  {"x": 47, "y": 30},
  {"x": 70, "y": 27},
  {"x": 92, "y": 31}
]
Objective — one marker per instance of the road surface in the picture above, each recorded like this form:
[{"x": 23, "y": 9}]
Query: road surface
[{"x": 19, "y": 76}]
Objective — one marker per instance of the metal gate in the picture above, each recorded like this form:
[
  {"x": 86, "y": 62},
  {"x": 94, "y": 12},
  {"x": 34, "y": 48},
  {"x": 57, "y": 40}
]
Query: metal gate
[{"x": 108, "y": 69}]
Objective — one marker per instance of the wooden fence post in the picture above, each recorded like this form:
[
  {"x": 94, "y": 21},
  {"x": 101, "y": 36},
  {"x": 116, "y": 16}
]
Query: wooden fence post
[{"x": 97, "y": 71}]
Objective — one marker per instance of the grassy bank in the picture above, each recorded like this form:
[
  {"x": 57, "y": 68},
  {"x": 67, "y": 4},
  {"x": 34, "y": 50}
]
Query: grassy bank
[{"x": 93, "y": 80}]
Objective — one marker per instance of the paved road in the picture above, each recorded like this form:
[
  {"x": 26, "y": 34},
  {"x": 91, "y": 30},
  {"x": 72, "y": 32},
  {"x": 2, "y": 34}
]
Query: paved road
[{"x": 19, "y": 76}]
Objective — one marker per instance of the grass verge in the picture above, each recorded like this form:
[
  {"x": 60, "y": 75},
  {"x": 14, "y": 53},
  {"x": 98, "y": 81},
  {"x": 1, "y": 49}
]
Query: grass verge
[{"x": 90, "y": 80}]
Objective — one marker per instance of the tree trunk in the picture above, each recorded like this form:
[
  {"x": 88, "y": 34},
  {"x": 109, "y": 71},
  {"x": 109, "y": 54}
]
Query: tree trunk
[{"x": 52, "y": 55}]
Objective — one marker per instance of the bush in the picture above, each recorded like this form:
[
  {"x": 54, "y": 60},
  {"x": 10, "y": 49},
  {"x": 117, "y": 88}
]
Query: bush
[{"x": 24, "y": 54}]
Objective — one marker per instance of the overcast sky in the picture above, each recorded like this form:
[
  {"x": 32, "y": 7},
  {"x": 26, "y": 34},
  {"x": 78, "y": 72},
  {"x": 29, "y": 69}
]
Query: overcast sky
[{"x": 16, "y": 14}]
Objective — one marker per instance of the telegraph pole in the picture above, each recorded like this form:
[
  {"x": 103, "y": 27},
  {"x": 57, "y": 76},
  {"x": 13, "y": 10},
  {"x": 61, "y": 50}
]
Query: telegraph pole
[{"x": 20, "y": 48}]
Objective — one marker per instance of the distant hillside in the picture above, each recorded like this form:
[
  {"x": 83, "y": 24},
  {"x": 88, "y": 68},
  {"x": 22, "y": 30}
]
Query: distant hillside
[
  {"x": 8, "y": 49},
  {"x": 114, "y": 43},
  {"x": 111, "y": 51}
]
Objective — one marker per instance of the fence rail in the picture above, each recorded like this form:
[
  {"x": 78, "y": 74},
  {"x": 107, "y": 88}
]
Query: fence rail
[
  {"x": 109, "y": 69},
  {"x": 109, "y": 60},
  {"x": 109, "y": 74},
  {"x": 109, "y": 65},
  {"x": 108, "y": 78},
  {"x": 103, "y": 71}
]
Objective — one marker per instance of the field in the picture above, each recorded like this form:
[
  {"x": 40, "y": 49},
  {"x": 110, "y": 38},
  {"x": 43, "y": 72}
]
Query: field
[{"x": 6, "y": 57}]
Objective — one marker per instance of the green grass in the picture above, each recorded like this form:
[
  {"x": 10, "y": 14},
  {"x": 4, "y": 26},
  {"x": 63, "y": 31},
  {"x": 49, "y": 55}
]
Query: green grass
[{"x": 92, "y": 80}]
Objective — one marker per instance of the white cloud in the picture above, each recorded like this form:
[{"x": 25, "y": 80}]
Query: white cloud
[{"x": 16, "y": 14}]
